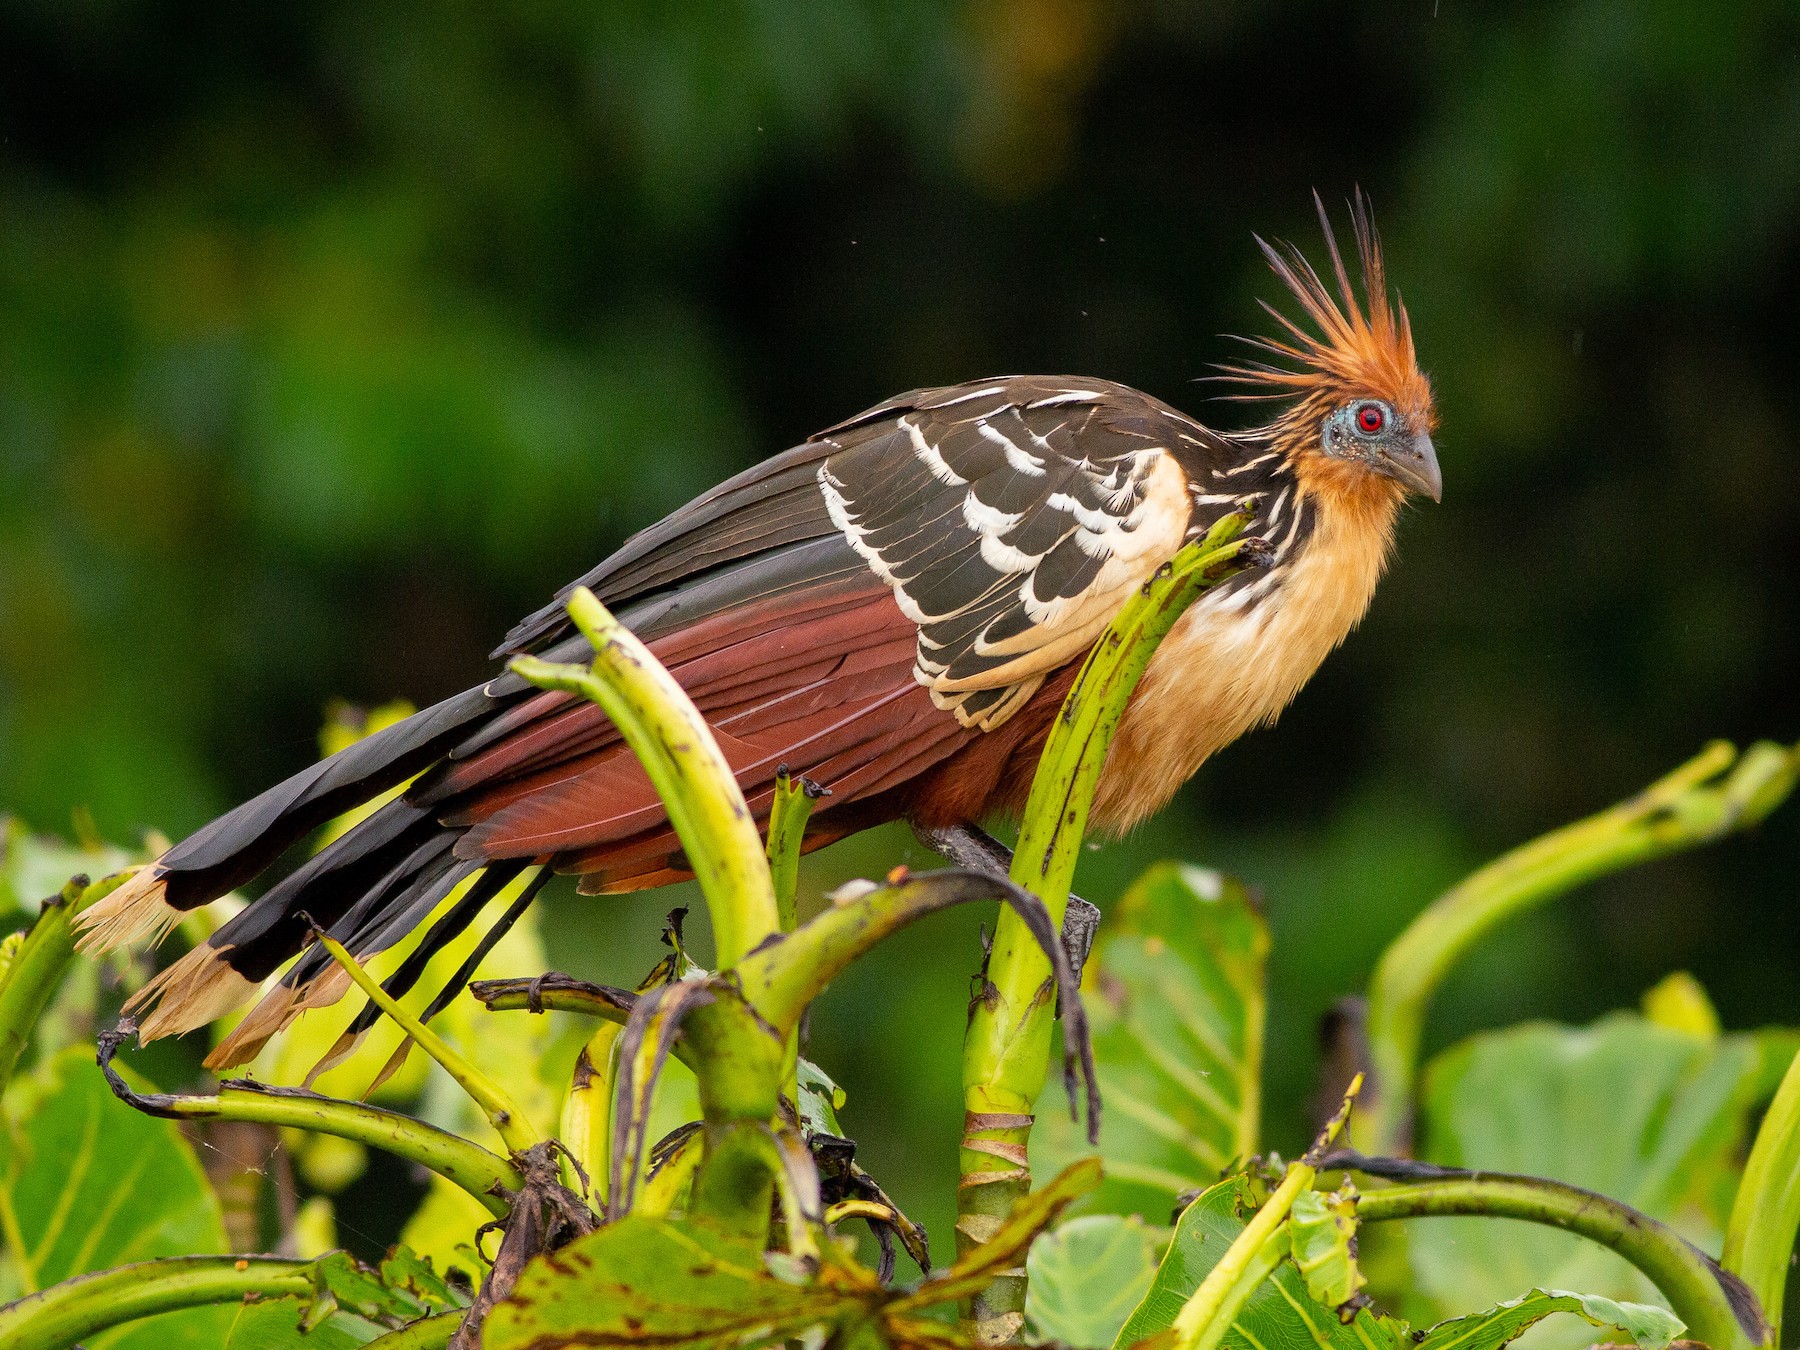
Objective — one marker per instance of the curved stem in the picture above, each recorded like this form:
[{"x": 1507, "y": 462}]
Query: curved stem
[
  {"x": 65, "y": 1313},
  {"x": 1006, "y": 1051},
  {"x": 697, "y": 786},
  {"x": 482, "y": 1174},
  {"x": 1717, "y": 1307},
  {"x": 1759, "y": 1239},
  {"x": 1691, "y": 806}
]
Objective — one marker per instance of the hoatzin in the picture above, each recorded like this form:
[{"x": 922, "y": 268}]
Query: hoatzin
[{"x": 894, "y": 608}]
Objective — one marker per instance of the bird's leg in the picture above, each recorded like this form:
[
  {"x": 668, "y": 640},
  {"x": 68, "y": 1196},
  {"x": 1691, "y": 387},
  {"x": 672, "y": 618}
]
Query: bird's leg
[{"x": 972, "y": 847}]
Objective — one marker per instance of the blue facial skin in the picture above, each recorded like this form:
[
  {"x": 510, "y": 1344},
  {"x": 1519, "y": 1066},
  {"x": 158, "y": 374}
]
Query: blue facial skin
[{"x": 1370, "y": 432}]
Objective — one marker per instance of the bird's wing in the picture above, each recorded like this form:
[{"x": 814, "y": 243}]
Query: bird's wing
[
  {"x": 1011, "y": 521},
  {"x": 856, "y": 609}
]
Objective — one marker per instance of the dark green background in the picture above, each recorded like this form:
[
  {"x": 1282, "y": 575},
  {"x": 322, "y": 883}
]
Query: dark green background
[{"x": 333, "y": 337}]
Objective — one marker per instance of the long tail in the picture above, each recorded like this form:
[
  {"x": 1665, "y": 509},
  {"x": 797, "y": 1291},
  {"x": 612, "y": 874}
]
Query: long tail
[{"x": 369, "y": 889}]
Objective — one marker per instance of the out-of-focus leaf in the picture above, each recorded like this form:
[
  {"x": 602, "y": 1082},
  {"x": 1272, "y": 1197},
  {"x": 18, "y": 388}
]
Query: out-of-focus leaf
[
  {"x": 91, "y": 1183},
  {"x": 36, "y": 866},
  {"x": 1175, "y": 997},
  {"x": 1085, "y": 1278},
  {"x": 443, "y": 1229},
  {"x": 1678, "y": 1002},
  {"x": 1651, "y": 1327},
  {"x": 277, "y": 1324},
  {"x": 1279, "y": 1313},
  {"x": 88, "y": 1183},
  {"x": 1646, "y": 1113},
  {"x": 1320, "y": 1230}
]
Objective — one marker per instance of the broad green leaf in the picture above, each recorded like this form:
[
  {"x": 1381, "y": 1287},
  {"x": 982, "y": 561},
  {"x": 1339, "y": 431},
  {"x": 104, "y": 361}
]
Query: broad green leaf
[
  {"x": 1320, "y": 1231},
  {"x": 667, "y": 1283},
  {"x": 658, "y": 1282},
  {"x": 1646, "y": 1113},
  {"x": 1085, "y": 1278},
  {"x": 1175, "y": 995},
  {"x": 86, "y": 1183},
  {"x": 280, "y": 1324},
  {"x": 1281, "y": 1313},
  {"x": 1651, "y": 1327}
]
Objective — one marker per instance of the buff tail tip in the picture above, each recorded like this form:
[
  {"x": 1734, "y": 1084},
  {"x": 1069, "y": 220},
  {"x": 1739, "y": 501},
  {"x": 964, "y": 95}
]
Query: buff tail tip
[{"x": 138, "y": 912}]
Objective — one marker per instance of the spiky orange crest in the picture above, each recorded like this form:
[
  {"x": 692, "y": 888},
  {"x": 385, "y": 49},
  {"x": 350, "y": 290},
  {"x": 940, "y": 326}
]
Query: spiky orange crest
[{"x": 1361, "y": 349}]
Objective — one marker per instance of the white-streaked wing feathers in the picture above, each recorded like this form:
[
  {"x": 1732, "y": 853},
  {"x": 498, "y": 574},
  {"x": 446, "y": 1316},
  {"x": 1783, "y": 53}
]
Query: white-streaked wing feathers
[{"x": 1011, "y": 523}]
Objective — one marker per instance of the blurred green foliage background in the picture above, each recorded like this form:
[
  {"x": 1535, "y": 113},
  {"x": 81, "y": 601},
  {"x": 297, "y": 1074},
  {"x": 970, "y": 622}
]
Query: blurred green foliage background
[{"x": 334, "y": 337}]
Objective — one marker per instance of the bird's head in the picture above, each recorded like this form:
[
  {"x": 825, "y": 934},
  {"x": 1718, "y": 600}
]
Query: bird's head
[{"x": 1360, "y": 412}]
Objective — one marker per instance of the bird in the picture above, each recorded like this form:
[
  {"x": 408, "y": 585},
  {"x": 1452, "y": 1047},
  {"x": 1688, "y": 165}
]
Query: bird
[{"x": 894, "y": 608}]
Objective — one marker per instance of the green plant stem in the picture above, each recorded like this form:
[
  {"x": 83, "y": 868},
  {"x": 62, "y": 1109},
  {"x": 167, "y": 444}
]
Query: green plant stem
[
  {"x": 586, "y": 1129},
  {"x": 672, "y": 741},
  {"x": 428, "y": 1333},
  {"x": 782, "y": 978},
  {"x": 482, "y": 1174},
  {"x": 1717, "y": 1308},
  {"x": 1711, "y": 795},
  {"x": 1006, "y": 1052},
  {"x": 508, "y": 1121},
  {"x": 738, "y": 1060},
  {"x": 788, "y": 813},
  {"x": 58, "y": 1317},
  {"x": 37, "y": 968},
  {"x": 1210, "y": 1310},
  {"x": 1759, "y": 1239}
]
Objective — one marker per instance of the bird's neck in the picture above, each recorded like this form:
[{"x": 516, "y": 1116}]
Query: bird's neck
[{"x": 1238, "y": 657}]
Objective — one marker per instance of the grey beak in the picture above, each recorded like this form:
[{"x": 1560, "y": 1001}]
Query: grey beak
[{"x": 1415, "y": 466}]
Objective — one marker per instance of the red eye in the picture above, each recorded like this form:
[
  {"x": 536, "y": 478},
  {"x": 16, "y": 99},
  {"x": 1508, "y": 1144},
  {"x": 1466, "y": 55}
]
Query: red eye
[{"x": 1371, "y": 418}]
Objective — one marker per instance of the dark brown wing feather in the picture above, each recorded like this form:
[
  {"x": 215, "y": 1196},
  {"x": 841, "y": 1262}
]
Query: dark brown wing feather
[{"x": 855, "y": 610}]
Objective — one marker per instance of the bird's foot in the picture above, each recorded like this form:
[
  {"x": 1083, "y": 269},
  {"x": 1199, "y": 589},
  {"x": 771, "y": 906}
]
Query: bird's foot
[{"x": 972, "y": 847}]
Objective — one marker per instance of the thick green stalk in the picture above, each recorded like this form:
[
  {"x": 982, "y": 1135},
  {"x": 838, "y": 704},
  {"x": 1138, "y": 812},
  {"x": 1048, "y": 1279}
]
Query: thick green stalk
[
  {"x": 738, "y": 1061},
  {"x": 37, "y": 968},
  {"x": 1006, "y": 1052},
  {"x": 783, "y": 977},
  {"x": 502, "y": 1113},
  {"x": 481, "y": 1173},
  {"x": 1717, "y": 1308},
  {"x": 1697, "y": 803},
  {"x": 672, "y": 741},
  {"x": 1759, "y": 1240},
  {"x": 64, "y": 1314}
]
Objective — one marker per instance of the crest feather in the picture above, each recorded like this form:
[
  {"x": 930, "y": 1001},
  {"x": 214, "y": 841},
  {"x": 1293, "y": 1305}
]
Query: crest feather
[{"x": 1364, "y": 345}]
